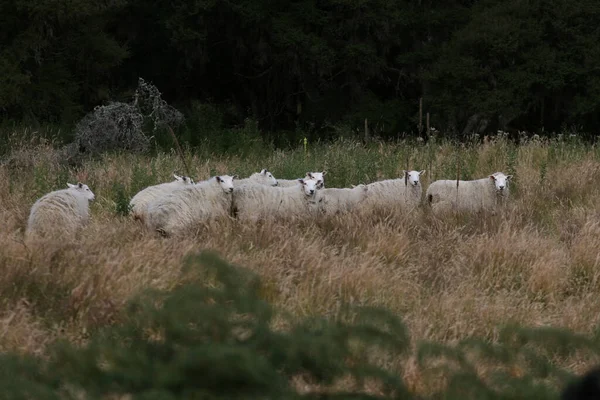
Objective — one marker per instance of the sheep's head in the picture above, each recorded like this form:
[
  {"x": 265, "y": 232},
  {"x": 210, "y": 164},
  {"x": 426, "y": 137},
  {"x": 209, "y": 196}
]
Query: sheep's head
[
  {"x": 186, "y": 180},
  {"x": 83, "y": 189},
  {"x": 268, "y": 177},
  {"x": 318, "y": 176},
  {"x": 226, "y": 182},
  {"x": 500, "y": 181},
  {"x": 412, "y": 177},
  {"x": 309, "y": 186}
]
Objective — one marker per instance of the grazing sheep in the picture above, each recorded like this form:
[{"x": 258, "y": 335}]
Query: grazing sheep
[
  {"x": 404, "y": 192},
  {"x": 336, "y": 200},
  {"x": 318, "y": 176},
  {"x": 189, "y": 206},
  {"x": 61, "y": 212},
  {"x": 253, "y": 202},
  {"x": 139, "y": 202},
  {"x": 263, "y": 177},
  {"x": 475, "y": 195}
]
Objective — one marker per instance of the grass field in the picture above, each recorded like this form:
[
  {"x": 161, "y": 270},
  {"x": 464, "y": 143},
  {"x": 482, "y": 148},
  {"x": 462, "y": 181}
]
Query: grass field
[{"x": 535, "y": 264}]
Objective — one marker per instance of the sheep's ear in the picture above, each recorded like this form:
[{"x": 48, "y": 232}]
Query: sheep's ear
[
  {"x": 264, "y": 171},
  {"x": 353, "y": 186},
  {"x": 219, "y": 179},
  {"x": 70, "y": 185},
  {"x": 79, "y": 185},
  {"x": 509, "y": 177},
  {"x": 302, "y": 181},
  {"x": 324, "y": 173},
  {"x": 422, "y": 172},
  {"x": 235, "y": 177},
  {"x": 404, "y": 172},
  {"x": 309, "y": 175},
  {"x": 492, "y": 177}
]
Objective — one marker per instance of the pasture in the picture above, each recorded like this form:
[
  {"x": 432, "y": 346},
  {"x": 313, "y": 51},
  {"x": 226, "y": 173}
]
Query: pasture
[{"x": 536, "y": 263}]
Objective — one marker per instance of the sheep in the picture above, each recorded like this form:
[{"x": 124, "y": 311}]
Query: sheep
[
  {"x": 253, "y": 202},
  {"x": 60, "y": 212},
  {"x": 139, "y": 203},
  {"x": 176, "y": 211},
  {"x": 475, "y": 195},
  {"x": 318, "y": 176},
  {"x": 404, "y": 192},
  {"x": 334, "y": 200},
  {"x": 263, "y": 177}
]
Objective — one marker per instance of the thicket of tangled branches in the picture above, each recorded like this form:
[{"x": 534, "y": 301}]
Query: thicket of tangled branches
[{"x": 121, "y": 126}]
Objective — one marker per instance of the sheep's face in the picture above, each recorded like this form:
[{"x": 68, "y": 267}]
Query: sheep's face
[
  {"x": 226, "y": 183},
  {"x": 83, "y": 189},
  {"x": 269, "y": 178},
  {"x": 318, "y": 176},
  {"x": 186, "y": 180},
  {"x": 500, "y": 181},
  {"x": 309, "y": 186},
  {"x": 413, "y": 177}
]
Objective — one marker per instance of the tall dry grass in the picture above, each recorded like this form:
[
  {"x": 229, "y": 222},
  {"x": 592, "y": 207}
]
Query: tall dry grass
[{"x": 536, "y": 263}]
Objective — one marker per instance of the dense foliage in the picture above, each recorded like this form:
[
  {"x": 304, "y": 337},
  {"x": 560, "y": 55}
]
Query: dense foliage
[{"x": 477, "y": 65}]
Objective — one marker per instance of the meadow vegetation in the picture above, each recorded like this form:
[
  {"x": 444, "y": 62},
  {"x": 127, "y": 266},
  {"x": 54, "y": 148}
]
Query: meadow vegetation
[{"x": 453, "y": 281}]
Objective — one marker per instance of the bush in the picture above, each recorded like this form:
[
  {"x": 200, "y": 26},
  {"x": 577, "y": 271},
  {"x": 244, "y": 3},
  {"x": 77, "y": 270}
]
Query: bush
[{"x": 120, "y": 126}]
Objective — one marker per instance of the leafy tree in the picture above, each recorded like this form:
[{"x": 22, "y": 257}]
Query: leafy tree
[
  {"x": 55, "y": 60},
  {"x": 531, "y": 63}
]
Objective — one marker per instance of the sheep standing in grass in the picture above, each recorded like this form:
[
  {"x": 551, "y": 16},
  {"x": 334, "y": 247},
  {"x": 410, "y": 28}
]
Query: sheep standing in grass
[
  {"x": 475, "y": 195},
  {"x": 253, "y": 202},
  {"x": 404, "y": 192},
  {"x": 318, "y": 176},
  {"x": 61, "y": 212},
  {"x": 190, "y": 206},
  {"x": 334, "y": 200},
  {"x": 263, "y": 177},
  {"x": 139, "y": 202}
]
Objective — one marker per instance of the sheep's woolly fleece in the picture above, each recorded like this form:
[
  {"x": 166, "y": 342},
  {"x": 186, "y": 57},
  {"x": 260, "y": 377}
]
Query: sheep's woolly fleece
[
  {"x": 61, "y": 212},
  {"x": 333, "y": 200},
  {"x": 191, "y": 206},
  {"x": 264, "y": 177},
  {"x": 403, "y": 192},
  {"x": 254, "y": 202},
  {"x": 318, "y": 176},
  {"x": 475, "y": 195},
  {"x": 139, "y": 203}
]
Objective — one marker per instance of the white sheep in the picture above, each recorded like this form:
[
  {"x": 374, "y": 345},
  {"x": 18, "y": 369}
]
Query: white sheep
[
  {"x": 60, "y": 212},
  {"x": 474, "y": 195},
  {"x": 334, "y": 200},
  {"x": 139, "y": 203},
  {"x": 404, "y": 192},
  {"x": 318, "y": 176},
  {"x": 263, "y": 177},
  {"x": 189, "y": 206},
  {"x": 254, "y": 202}
]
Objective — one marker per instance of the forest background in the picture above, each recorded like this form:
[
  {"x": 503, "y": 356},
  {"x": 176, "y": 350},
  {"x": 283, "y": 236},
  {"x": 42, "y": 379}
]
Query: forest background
[{"x": 308, "y": 68}]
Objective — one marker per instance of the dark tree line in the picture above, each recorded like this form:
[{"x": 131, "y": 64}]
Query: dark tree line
[{"x": 478, "y": 65}]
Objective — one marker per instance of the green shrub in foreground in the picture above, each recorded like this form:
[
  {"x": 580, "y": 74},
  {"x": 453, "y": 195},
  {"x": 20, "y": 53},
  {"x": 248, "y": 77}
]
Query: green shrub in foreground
[{"x": 212, "y": 338}]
